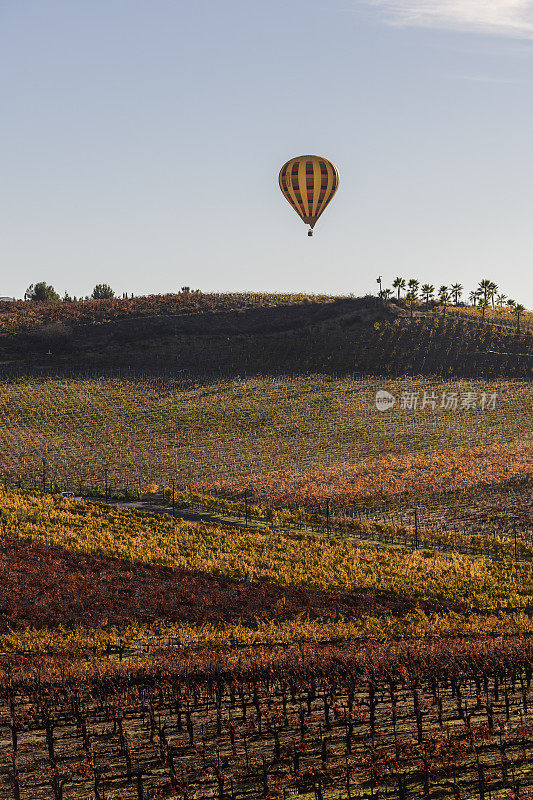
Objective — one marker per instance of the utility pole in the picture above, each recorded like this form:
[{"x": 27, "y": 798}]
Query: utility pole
[{"x": 378, "y": 280}]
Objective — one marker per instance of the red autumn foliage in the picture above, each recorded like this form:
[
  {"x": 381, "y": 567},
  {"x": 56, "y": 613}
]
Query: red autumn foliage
[{"x": 45, "y": 585}]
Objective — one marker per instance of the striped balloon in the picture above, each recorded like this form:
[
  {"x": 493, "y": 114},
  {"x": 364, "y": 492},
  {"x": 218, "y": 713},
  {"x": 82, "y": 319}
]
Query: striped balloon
[{"x": 309, "y": 183}]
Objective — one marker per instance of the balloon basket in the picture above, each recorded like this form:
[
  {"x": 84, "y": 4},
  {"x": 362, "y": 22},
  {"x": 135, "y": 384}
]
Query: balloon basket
[{"x": 310, "y": 233}]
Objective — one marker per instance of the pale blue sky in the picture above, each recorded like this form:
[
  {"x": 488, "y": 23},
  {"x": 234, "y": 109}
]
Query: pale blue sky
[{"x": 142, "y": 139}]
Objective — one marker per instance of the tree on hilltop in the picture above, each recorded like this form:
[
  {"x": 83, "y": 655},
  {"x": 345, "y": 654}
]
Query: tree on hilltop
[
  {"x": 483, "y": 305},
  {"x": 102, "y": 291},
  {"x": 517, "y": 309},
  {"x": 413, "y": 285},
  {"x": 399, "y": 283},
  {"x": 427, "y": 291},
  {"x": 444, "y": 298},
  {"x": 411, "y": 298},
  {"x": 443, "y": 290},
  {"x": 456, "y": 290},
  {"x": 487, "y": 288},
  {"x": 42, "y": 293}
]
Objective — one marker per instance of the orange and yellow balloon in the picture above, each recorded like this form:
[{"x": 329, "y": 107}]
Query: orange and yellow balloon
[{"x": 309, "y": 183}]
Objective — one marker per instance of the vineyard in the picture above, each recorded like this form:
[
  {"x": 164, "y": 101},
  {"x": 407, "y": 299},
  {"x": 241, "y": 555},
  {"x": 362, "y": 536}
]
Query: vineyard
[
  {"x": 496, "y": 316},
  {"x": 213, "y": 717},
  {"x": 20, "y": 315},
  {"x": 317, "y": 585},
  {"x": 254, "y": 334},
  {"x": 325, "y": 437},
  {"x": 86, "y": 573},
  {"x": 393, "y": 720}
]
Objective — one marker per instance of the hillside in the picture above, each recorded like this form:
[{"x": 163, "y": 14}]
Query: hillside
[
  {"x": 271, "y": 577},
  {"x": 254, "y": 334}
]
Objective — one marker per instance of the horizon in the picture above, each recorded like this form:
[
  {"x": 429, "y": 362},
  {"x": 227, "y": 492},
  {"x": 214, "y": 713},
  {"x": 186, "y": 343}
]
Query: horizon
[
  {"x": 143, "y": 141},
  {"x": 463, "y": 297}
]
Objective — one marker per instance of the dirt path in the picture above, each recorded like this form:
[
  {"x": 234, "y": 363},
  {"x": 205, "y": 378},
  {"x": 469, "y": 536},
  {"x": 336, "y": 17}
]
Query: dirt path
[{"x": 178, "y": 513}]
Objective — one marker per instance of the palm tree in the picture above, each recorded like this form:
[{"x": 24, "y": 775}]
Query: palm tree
[
  {"x": 500, "y": 299},
  {"x": 386, "y": 293},
  {"x": 442, "y": 291},
  {"x": 399, "y": 283},
  {"x": 456, "y": 290},
  {"x": 517, "y": 309},
  {"x": 493, "y": 288},
  {"x": 484, "y": 287},
  {"x": 413, "y": 285},
  {"x": 427, "y": 291},
  {"x": 473, "y": 297},
  {"x": 511, "y": 304},
  {"x": 483, "y": 304},
  {"x": 411, "y": 299}
]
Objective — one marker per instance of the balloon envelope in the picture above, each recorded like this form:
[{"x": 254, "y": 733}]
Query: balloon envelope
[{"x": 309, "y": 183}]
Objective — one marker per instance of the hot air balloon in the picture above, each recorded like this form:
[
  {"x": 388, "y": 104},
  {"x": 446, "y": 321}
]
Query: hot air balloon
[{"x": 309, "y": 183}]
